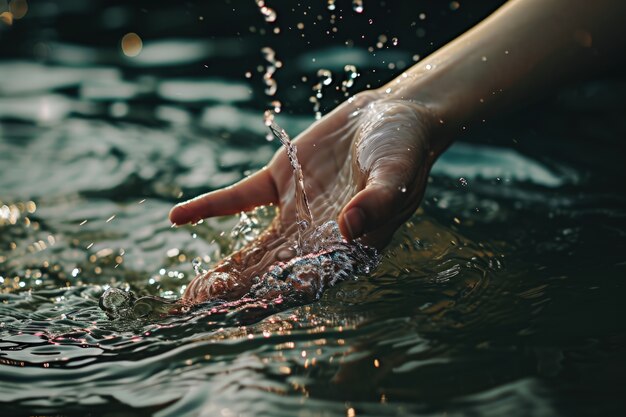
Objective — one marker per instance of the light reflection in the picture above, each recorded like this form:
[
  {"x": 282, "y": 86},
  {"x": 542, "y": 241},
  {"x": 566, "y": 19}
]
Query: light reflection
[
  {"x": 18, "y": 8},
  {"x": 131, "y": 44}
]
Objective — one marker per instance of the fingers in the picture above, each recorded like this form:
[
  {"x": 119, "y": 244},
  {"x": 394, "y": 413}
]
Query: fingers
[{"x": 253, "y": 191}]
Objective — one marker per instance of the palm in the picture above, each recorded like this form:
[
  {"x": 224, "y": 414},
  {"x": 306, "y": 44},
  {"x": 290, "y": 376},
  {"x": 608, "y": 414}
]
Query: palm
[{"x": 367, "y": 156}]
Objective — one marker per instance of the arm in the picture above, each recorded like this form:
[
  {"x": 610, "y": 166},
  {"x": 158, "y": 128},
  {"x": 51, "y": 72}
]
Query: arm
[
  {"x": 369, "y": 171},
  {"x": 525, "y": 48}
]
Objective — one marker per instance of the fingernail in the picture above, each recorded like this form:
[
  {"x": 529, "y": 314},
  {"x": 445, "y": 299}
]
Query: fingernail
[{"x": 354, "y": 219}]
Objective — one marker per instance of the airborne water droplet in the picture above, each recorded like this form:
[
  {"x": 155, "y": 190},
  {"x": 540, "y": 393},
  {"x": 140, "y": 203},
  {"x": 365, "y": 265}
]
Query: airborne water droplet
[
  {"x": 357, "y": 6},
  {"x": 268, "y": 14},
  {"x": 197, "y": 265}
]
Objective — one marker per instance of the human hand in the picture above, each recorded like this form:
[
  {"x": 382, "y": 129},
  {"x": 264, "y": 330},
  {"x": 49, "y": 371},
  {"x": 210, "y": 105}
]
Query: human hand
[{"x": 365, "y": 165}]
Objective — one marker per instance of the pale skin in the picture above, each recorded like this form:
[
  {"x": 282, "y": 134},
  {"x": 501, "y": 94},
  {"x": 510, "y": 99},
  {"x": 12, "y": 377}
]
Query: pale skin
[{"x": 366, "y": 163}]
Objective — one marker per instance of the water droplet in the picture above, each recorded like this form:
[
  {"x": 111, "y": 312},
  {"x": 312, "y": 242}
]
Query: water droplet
[
  {"x": 357, "y": 6},
  {"x": 131, "y": 44},
  {"x": 326, "y": 76},
  {"x": 331, "y": 5},
  {"x": 325, "y": 79},
  {"x": 273, "y": 64},
  {"x": 268, "y": 14},
  {"x": 463, "y": 182},
  {"x": 402, "y": 188},
  {"x": 351, "y": 75},
  {"x": 197, "y": 265}
]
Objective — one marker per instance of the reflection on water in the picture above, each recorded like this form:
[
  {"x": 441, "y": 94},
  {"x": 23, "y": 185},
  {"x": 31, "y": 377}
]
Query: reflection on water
[{"x": 501, "y": 296}]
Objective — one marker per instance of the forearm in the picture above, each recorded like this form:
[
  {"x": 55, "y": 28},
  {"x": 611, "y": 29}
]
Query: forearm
[{"x": 514, "y": 54}]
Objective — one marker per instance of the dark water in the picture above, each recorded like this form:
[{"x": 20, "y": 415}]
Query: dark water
[{"x": 502, "y": 296}]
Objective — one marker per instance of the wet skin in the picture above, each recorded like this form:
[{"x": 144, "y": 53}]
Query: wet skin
[{"x": 371, "y": 152}]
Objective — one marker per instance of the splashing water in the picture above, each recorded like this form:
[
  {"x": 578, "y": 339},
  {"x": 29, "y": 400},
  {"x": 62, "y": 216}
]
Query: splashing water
[
  {"x": 325, "y": 79},
  {"x": 304, "y": 218},
  {"x": 120, "y": 304},
  {"x": 273, "y": 64},
  {"x": 268, "y": 13},
  {"x": 323, "y": 258},
  {"x": 357, "y": 6},
  {"x": 351, "y": 76}
]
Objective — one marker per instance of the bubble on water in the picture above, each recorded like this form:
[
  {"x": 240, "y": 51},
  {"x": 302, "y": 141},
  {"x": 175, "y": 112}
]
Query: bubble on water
[
  {"x": 357, "y": 6},
  {"x": 120, "y": 304},
  {"x": 463, "y": 182},
  {"x": 116, "y": 302}
]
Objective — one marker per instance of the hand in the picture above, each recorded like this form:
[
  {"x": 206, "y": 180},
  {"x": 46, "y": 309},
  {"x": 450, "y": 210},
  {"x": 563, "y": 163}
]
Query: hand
[{"x": 365, "y": 165}]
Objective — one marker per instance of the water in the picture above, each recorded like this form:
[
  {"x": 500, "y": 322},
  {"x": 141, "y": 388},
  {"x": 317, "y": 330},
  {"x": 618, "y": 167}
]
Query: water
[
  {"x": 502, "y": 297},
  {"x": 304, "y": 218}
]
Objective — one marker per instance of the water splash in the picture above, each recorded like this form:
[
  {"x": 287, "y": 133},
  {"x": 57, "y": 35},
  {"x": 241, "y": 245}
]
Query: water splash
[
  {"x": 268, "y": 13},
  {"x": 325, "y": 79},
  {"x": 196, "y": 263},
  {"x": 273, "y": 64},
  {"x": 351, "y": 76},
  {"x": 357, "y": 6},
  {"x": 245, "y": 231},
  {"x": 271, "y": 86},
  {"x": 304, "y": 278},
  {"x": 120, "y": 304},
  {"x": 304, "y": 218}
]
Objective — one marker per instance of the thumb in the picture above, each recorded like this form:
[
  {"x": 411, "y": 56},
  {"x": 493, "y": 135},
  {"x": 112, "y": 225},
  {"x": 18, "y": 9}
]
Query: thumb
[
  {"x": 391, "y": 153},
  {"x": 390, "y": 196}
]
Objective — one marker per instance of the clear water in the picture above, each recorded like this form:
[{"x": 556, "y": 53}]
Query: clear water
[
  {"x": 502, "y": 296},
  {"x": 304, "y": 218}
]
